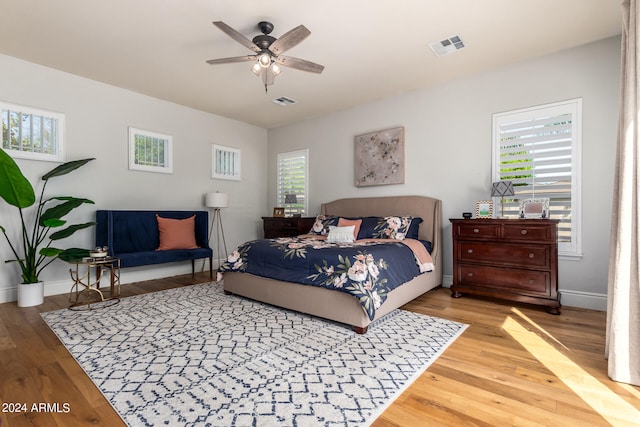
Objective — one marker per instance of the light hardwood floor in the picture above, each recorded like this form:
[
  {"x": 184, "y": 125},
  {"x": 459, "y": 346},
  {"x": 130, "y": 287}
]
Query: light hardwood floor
[{"x": 514, "y": 365}]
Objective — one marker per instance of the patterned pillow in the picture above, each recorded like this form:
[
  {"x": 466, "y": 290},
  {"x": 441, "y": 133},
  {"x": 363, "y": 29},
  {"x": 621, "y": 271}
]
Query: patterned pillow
[
  {"x": 389, "y": 227},
  {"x": 322, "y": 224},
  {"x": 414, "y": 228}
]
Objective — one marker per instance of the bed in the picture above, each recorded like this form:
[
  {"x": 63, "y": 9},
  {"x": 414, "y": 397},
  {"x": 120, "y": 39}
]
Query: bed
[{"x": 335, "y": 304}]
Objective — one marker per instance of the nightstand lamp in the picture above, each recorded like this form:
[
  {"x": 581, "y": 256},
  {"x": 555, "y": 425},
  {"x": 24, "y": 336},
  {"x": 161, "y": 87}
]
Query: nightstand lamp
[
  {"x": 501, "y": 189},
  {"x": 217, "y": 201},
  {"x": 290, "y": 199}
]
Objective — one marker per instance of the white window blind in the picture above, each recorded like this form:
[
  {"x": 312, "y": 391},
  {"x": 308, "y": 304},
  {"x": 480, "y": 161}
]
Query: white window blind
[
  {"x": 31, "y": 133},
  {"x": 538, "y": 149},
  {"x": 292, "y": 179}
]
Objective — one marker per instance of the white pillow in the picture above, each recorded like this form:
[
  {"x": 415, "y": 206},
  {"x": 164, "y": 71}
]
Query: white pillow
[{"x": 340, "y": 234}]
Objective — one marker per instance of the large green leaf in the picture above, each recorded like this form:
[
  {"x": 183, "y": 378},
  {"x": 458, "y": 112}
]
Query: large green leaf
[
  {"x": 15, "y": 189},
  {"x": 73, "y": 254},
  {"x": 70, "y": 230},
  {"x": 65, "y": 168},
  {"x": 60, "y": 210},
  {"x": 53, "y": 223},
  {"x": 50, "y": 251}
]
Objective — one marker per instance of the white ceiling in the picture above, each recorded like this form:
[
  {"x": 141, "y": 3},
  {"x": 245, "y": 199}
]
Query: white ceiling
[{"x": 371, "y": 49}]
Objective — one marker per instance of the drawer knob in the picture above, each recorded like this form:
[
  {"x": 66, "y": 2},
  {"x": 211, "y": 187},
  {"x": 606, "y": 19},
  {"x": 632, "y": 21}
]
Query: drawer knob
[
  {"x": 523, "y": 232},
  {"x": 531, "y": 256},
  {"x": 531, "y": 281},
  {"x": 476, "y": 230},
  {"x": 469, "y": 251},
  {"x": 469, "y": 274}
]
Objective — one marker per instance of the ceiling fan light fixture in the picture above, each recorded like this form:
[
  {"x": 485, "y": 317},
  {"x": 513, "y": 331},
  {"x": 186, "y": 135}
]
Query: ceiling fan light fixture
[
  {"x": 264, "y": 60},
  {"x": 256, "y": 69},
  {"x": 275, "y": 69}
]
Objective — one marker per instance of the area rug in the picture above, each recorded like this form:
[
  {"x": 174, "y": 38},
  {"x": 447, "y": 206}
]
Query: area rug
[{"x": 194, "y": 356}]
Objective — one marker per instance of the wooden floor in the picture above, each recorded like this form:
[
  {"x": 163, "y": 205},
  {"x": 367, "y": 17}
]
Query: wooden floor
[{"x": 514, "y": 365}]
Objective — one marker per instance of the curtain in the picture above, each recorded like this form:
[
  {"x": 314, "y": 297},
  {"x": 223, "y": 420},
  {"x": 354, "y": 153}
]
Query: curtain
[{"x": 623, "y": 304}]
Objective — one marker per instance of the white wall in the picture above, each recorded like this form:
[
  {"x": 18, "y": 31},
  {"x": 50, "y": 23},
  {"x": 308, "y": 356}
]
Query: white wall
[
  {"x": 448, "y": 147},
  {"x": 97, "y": 121}
]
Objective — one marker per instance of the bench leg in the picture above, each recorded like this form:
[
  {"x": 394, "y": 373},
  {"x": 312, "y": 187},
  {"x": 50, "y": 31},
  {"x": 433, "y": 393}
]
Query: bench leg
[{"x": 211, "y": 268}]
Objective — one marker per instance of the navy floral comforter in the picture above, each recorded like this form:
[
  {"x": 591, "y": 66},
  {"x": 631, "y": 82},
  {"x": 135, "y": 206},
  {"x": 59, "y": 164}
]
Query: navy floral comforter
[{"x": 366, "y": 270}]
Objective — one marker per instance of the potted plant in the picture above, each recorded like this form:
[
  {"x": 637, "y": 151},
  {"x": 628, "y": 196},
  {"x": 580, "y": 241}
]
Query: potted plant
[{"x": 35, "y": 252}]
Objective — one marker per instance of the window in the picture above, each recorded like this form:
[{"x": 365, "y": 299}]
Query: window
[
  {"x": 225, "y": 162},
  {"x": 292, "y": 179},
  {"x": 538, "y": 149},
  {"x": 150, "y": 151},
  {"x": 29, "y": 133}
]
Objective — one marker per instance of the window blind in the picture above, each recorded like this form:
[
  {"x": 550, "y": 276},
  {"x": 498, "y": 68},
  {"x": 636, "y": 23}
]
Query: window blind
[
  {"x": 292, "y": 179},
  {"x": 538, "y": 150}
]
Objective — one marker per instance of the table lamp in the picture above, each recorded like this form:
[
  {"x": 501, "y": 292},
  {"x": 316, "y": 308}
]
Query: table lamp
[
  {"x": 501, "y": 189},
  {"x": 290, "y": 199}
]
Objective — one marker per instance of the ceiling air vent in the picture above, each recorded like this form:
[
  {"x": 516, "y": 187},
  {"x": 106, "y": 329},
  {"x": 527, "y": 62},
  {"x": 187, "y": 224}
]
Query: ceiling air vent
[
  {"x": 447, "y": 46},
  {"x": 284, "y": 101}
]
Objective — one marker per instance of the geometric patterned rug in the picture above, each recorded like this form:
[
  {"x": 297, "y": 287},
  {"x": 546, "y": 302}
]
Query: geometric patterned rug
[{"x": 193, "y": 356}]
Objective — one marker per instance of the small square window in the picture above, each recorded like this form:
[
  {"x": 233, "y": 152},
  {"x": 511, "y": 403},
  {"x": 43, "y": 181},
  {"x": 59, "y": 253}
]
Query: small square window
[
  {"x": 30, "y": 133},
  {"x": 225, "y": 162},
  {"x": 150, "y": 151}
]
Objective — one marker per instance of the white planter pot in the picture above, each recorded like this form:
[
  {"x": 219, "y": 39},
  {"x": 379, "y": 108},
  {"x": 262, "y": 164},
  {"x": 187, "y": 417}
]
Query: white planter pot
[{"x": 30, "y": 294}]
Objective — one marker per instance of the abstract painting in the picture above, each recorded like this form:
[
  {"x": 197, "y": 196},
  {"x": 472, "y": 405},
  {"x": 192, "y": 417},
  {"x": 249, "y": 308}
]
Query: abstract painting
[{"x": 379, "y": 158}]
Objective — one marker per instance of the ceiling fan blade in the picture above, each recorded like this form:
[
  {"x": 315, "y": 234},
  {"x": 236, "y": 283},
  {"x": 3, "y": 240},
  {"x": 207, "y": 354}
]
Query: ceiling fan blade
[
  {"x": 236, "y": 36},
  {"x": 299, "y": 64},
  {"x": 289, "y": 39},
  {"x": 231, "y": 60}
]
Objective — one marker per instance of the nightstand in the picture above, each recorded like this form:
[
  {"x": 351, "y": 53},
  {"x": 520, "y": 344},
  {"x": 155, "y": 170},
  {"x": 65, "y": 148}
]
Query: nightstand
[
  {"x": 511, "y": 259},
  {"x": 286, "y": 226}
]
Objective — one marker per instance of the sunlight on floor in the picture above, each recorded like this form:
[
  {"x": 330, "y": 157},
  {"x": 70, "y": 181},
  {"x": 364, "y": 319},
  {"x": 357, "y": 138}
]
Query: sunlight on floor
[{"x": 609, "y": 405}]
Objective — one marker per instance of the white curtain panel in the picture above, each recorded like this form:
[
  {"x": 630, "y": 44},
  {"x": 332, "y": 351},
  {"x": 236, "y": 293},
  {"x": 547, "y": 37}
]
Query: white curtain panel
[{"x": 623, "y": 305}]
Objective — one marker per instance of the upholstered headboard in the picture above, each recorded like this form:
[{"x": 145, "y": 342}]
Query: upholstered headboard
[{"x": 427, "y": 208}]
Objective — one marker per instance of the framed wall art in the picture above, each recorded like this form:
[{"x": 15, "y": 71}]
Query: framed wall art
[
  {"x": 534, "y": 208},
  {"x": 379, "y": 157},
  {"x": 484, "y": 209}
]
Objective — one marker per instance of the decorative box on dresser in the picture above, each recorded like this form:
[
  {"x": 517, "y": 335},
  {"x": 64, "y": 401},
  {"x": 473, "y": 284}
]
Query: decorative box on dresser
[
  {"x": 286, "y": 226},
  {"x": 511, "y": 259}
]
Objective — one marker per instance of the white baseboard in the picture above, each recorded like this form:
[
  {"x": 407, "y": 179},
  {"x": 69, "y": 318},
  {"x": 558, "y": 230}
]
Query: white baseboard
[
  {"x": 127, "y": 275},
  {"x": 590, "y": 300},
  {"x": 569, "y": 298}
]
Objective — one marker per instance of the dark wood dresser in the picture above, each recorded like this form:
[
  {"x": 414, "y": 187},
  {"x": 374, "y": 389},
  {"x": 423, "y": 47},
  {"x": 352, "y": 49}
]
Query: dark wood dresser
[
  {"x": 512, "y": 259},
  {"x": 286, "y": 226}
]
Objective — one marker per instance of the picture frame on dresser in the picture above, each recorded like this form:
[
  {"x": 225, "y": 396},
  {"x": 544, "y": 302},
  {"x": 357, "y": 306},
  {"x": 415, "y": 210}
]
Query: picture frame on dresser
[
  {"x": 534, "y": 208},
  {"x": 484, "y": 209},
  {"x": 278, "y": 212}
]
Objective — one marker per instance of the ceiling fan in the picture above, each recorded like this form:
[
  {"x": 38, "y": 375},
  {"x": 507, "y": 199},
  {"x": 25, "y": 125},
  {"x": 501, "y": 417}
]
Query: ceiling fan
[{"x": 268, "y": 51}]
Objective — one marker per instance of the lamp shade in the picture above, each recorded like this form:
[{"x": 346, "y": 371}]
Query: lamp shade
[
  {"x": 217, "y": 200},
  {"x": 502, "y": 188},
  {"x": 290, "y": 198}
]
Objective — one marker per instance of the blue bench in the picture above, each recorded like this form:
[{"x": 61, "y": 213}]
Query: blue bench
[{"x": 133, "y": 237}]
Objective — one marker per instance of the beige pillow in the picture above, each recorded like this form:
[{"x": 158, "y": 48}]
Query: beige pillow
[{"x": 341, "y": 234}]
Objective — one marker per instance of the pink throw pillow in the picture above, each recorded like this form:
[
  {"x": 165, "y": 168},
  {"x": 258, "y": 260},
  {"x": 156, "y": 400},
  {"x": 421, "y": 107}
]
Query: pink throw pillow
[{"x": 177, "y": 233}]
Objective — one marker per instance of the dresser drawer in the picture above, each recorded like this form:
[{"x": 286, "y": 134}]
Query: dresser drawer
[
  {"x": 520, "y": 255},
  {"x": 535, "y": 283},
  {"x": 468, "y": 230},
  {"x": 280, "y": 223},
  {"x": 539, "y": 233}
]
